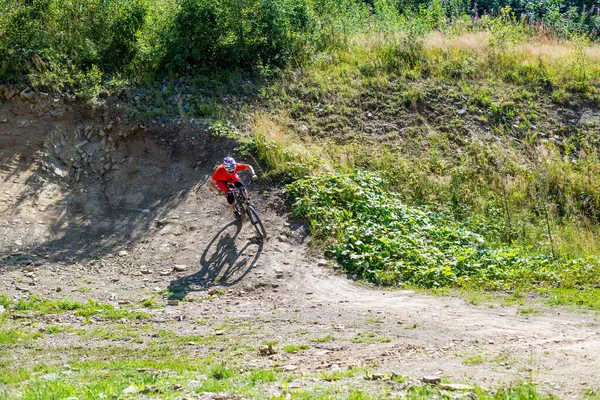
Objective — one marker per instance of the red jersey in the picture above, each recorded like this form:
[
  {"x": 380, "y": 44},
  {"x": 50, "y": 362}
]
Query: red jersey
[{"x": 221, "y": 175}]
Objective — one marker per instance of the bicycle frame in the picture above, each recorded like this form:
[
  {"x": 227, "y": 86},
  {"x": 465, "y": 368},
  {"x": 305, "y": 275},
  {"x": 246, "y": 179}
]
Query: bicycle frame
[
  {"x": 240, "y": 194},
  {"x": 244, "y": 206}
]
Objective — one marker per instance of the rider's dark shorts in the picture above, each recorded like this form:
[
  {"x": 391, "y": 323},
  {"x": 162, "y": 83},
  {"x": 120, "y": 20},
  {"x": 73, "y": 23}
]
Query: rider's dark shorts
[{"x": 230, "y": 198}]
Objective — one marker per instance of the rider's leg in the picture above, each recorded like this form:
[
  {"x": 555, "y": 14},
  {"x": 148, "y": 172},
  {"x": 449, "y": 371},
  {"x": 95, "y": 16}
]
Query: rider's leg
[
  {"x": 225, "y": 190},
  {"x": 231, "y": 202}
]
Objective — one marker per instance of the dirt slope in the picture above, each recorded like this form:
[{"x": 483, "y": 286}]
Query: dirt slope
[{"x": 110, "y": 218}]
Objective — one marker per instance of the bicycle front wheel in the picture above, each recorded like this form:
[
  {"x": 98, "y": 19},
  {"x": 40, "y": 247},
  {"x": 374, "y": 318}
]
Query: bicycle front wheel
[{"x": 256, "y": 222}]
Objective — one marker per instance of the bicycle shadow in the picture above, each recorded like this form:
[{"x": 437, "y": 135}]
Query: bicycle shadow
[{"x": 223, "y": 262}]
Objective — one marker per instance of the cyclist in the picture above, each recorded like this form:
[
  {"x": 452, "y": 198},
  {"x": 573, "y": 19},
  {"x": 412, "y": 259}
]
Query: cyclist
[{"x": 227, "y": 173}]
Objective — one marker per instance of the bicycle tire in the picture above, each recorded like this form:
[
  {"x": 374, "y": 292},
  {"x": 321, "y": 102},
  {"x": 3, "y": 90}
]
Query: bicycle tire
[{"x": 256, "y": 222}]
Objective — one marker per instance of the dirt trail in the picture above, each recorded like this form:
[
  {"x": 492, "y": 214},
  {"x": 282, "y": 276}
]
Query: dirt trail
[{"x": 114, "y": 234}]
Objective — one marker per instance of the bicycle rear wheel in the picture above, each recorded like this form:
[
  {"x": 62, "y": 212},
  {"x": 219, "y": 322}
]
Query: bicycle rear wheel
[{"x": 256, "y": 222}]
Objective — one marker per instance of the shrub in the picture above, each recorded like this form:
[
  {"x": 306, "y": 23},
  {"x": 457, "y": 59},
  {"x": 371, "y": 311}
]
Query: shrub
[{"x": 378, "y": 237}]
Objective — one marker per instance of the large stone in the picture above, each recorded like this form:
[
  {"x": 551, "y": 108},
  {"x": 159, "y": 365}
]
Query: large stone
[
  {"x": 28, "y": 94},
  {"x": 589, "y": 117},
  {"x": 50, "y": 377},
  {"x": 180, "y": 267},
  {"x": 432, "y": 379},
  {"x": 81, "y": 144},
  {"x": 375, "y": 377},
  {"x": 263, "y": 350},
  {"x": 130, "y": 390},
  {"x": 455, "y": 386}
]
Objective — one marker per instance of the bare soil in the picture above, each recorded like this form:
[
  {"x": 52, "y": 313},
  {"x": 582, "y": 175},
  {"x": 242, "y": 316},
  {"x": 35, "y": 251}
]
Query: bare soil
[{"x": 111, "y": 224}]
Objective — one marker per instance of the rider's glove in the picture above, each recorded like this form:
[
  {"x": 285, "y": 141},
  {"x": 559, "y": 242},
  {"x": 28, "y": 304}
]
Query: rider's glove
[{"x": 254, "y": 178}]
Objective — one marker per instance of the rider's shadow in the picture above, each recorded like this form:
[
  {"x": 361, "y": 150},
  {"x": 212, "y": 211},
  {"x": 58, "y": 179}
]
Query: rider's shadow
[{"x": 223, "y": 263}]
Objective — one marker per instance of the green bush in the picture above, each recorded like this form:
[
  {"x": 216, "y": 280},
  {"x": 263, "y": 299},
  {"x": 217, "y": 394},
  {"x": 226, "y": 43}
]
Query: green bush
[
  {"x": 238, "y": 33},
  {"x": 58, "y": 42},
  {"x": 378, "y": 237},
  {"x": 22, "y": 34}
]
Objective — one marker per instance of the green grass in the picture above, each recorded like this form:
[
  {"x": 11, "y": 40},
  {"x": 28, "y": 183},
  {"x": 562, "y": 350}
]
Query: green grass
[
  {"x": 324, "y": 339},
  {"x": 38, "y": 306},
  {"x": 168, "y": 367},
  {"x": 589, "y": 298},
  {"x": 369, "y": 338},
  {"x": 473, "y": 360},
  {"x": 5, "y": 301},
  {"x": 331, "y": 376},
  {"x": 14, "y": 336},
  {"x": 260, "y": 376},
  {"x": 149, "y": 302},
  {"x": 530, "y": 311},
  {"x": 295, "y": 348}
]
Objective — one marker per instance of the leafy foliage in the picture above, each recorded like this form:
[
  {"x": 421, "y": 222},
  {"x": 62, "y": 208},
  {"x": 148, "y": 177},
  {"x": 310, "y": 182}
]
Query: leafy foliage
[
  {"x": 378, "y": 237},
  {"x": 60, "y": 42}
]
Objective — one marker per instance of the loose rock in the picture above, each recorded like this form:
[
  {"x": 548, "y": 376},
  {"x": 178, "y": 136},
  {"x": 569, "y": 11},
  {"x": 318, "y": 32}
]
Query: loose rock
[
  {"x": 432, "y": 379},
  {"x": 455, "y": 386},
  {"x": 28, "y": 94},
  {"x": 375, "y": 377},
  {"x": 130, "y": 390},
  {"x": 173, "y": 302},
  {"x": 50, "y": 377},
  {"x": 180, "y": 268}
]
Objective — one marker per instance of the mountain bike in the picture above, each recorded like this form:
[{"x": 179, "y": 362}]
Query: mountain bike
[{"x": 244, "y": 206}]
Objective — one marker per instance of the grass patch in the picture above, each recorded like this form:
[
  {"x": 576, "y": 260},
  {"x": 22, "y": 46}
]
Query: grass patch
[
  {"x": 259, "y": 376},
  {"x": 149, "y": 303},
  {"x": 530, "y": 311},
  {"x": 15, "y": 336},
  {"x": 589, "y": 298},
  {"x": 473, "y": 360},
  {"x": 324, "y": 339},
  {"x": 38, "y": 306},
  {"x": 295, "y": 348},
  {"x": 370, "y": 338}
]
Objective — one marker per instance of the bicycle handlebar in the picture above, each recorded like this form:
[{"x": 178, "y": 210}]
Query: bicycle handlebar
[{"x": 232, "y": 188}]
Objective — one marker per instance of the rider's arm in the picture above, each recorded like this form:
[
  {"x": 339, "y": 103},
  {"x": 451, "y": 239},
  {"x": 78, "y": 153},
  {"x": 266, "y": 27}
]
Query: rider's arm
[
  {"x": 213, "y": 186},
  {"x": 251, "y": 170}
]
